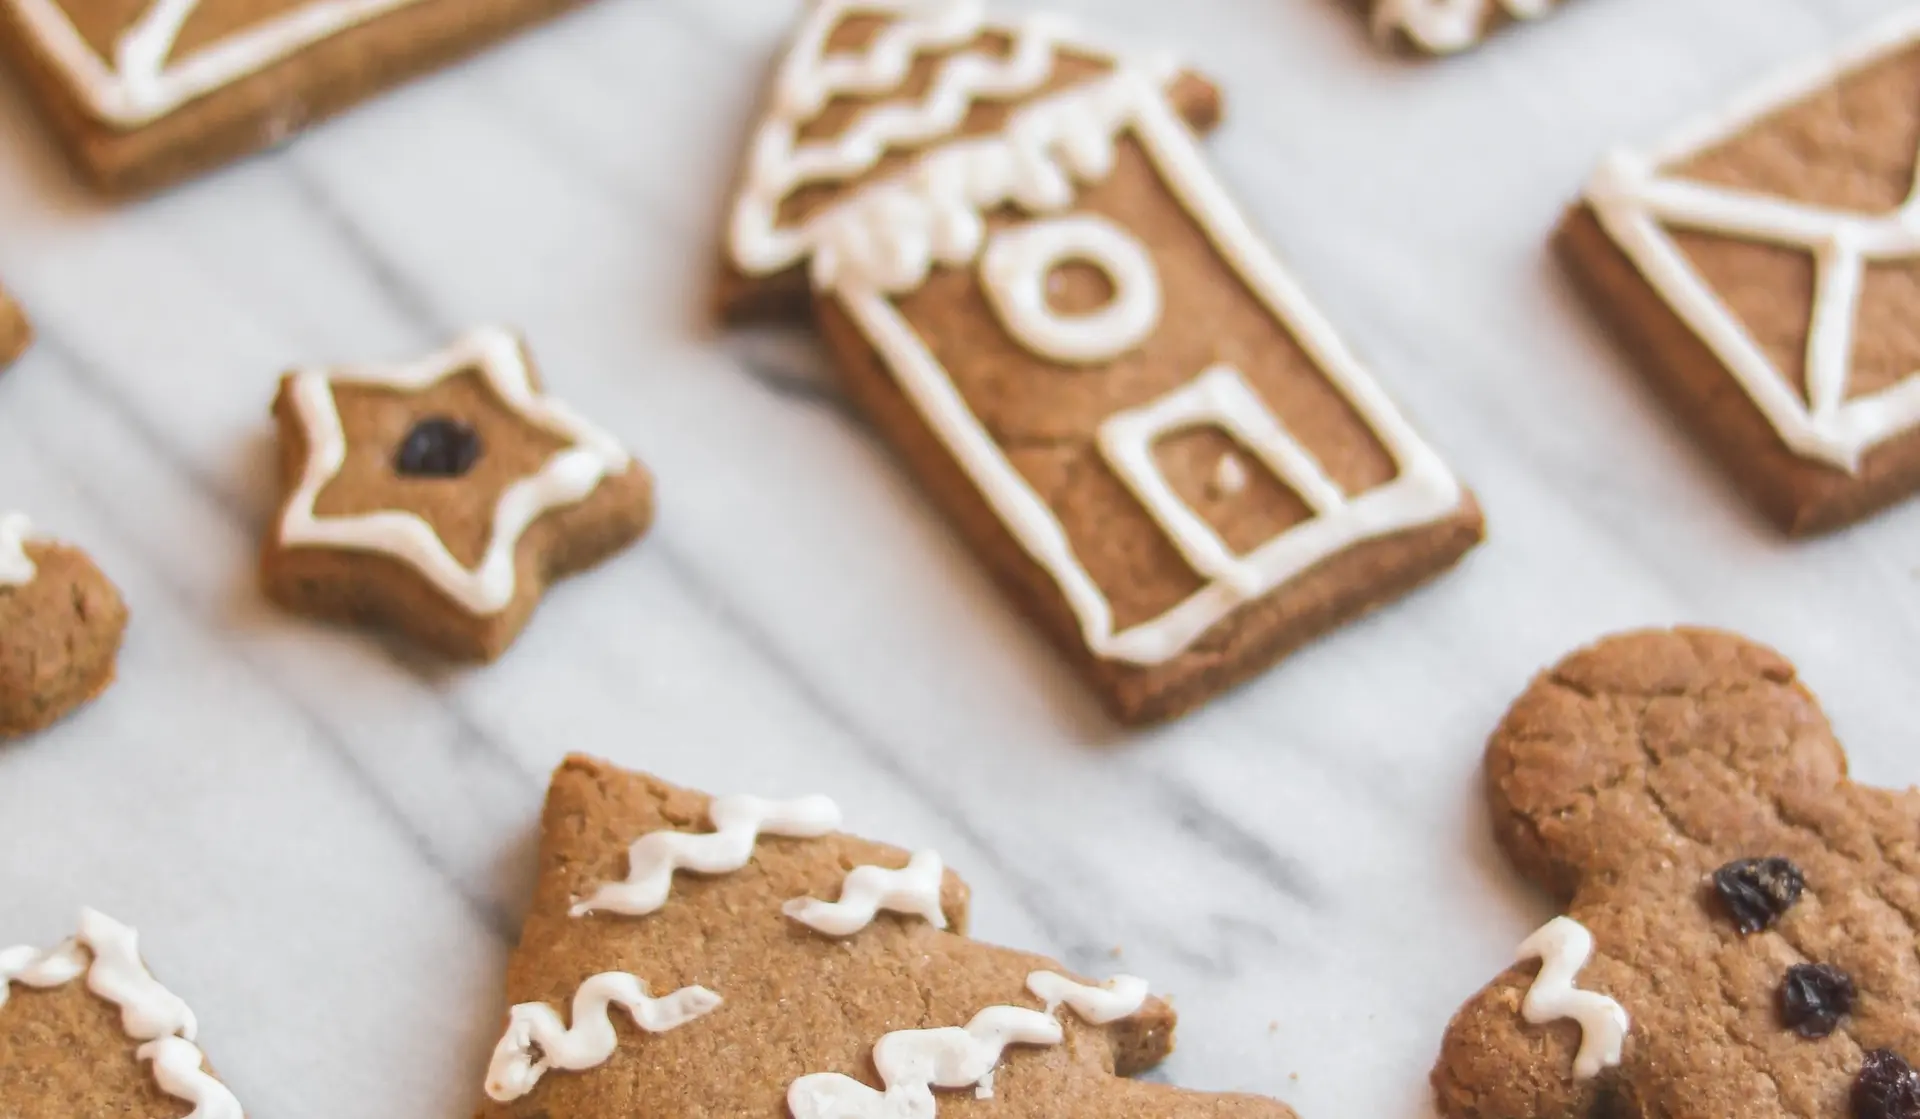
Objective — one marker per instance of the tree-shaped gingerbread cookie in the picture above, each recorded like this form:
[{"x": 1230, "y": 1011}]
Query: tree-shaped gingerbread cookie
[
  {"x": 732, "y": 956},
  {"x": 1739, "y": 937}
]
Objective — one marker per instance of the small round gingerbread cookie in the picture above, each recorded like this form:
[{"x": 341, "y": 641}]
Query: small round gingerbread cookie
[{"x": 61, "y": 621}]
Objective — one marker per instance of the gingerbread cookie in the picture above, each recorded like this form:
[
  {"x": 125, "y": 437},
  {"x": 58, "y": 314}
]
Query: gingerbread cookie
[
  {"x": 86, "y": 1032},
  {"x": 441, "y": 497},
  {"x": 61, "y": 621},
  {"x": 1739, "y": 929},
  {"x": 1761, "y": 267},
  {"x": 771, "y": 965},
  {"x": 15, "y": 333},
  {"x": 1035, "y": 285},
  {"x": 145, "y": 92},
  {"x": 1449, "y": 26}
]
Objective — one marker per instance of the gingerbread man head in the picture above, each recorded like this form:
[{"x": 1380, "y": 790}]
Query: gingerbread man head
[{"x": 1740, "y": 930}]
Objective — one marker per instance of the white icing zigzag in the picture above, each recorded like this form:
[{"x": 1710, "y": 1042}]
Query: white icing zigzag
[
  {"x": 738, "y": 823},
  {"x": 912, "y": 1063},
  {"x": 514, "y": 1071},
  {"x": 1563, "y": 948},
  {"x": 867, "y": 890},
  {"x": 16, "y": 567},
  {"x": 1120, "y": 997},
  {"x": 1446, "y": 26},
  {"x": 108, "y": 954}
]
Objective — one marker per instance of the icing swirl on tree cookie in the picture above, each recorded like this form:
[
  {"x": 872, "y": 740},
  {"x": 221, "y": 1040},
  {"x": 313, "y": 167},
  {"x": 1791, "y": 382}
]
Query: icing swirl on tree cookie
[
  {"x": 568, "y": 477},
  {"x": 536, "y": 1027},
  {"x": 1119, "y": 997},
  {"x": 1563, "y": 948},
  {"x": 738, "y": 822},
  {"x": 914, "y": 890},
  {"x": 17, "y": 569},
  {"x": 108, "y": 954}
]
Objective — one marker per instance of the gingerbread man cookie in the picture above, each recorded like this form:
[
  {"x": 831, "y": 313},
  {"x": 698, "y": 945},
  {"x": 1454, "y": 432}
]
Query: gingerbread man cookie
[
  {"x": 61, "y": 622},
  {"x": 15, "y": 333},
  {"x": 144, "y": 92},
  {"x": 1033, "y": 280},
  {"x": 770, "y": 965},
  {"x": 1739, "y": 930},
  {"x": 441, "y": 497},
  {"x": 1449, "y": 26},
  {"x": 86, "y": 1032}
]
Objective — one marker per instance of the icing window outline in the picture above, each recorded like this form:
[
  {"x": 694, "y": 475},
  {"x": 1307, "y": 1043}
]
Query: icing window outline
[{"x": 1019, "y": 261}]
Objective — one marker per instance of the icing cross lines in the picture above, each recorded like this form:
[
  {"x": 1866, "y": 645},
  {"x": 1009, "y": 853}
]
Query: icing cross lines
[
  {"x": 515, "y": 1070},
  {"x": 1563, "y": 947},
  {"x": 738, "y": 823},
  {"x": 912, "y": 1063},
  {"x": 1635, "y": 201},
  {"x": 108, "y": 954}
]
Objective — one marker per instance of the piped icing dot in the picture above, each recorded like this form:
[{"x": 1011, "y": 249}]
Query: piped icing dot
[
  {"x": 438, "y": 447},
  {"x": 1758, "y": 892},
  {"x": 1813, "y": 999}
]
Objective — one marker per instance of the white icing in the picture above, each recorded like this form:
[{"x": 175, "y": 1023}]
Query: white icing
[
  {"x": 738, "y": 822},
  {"x": 886, "y": 238},
  {"x": 566, "y": 478},
  {"x": 912, "y": 1063},
  {"x": 1017, "y": 263},
  {"x": 914, "y": 890},
  {"x": 177, "y": 1068},
  {"x": 1563, "y": 947},
  {"x": 1119, "y": 997},
  {"x": 108, "y": 954},
  {"x": 17, "y": 569},
  {"x": 143, "y": 83},
  {"x": 1446, "y": 26},
  {"x": 1230, "y": 477},
  {"x": 514, "y": 1070},
  {"x": 1639, "y": 203}
]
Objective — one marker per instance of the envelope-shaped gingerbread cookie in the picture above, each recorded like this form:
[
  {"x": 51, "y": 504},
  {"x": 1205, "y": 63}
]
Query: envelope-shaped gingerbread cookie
[
  {"x": 1035, "y": 284},
  {"x": 143, "y": 92},
  {"x": 1764, "y": 265}
]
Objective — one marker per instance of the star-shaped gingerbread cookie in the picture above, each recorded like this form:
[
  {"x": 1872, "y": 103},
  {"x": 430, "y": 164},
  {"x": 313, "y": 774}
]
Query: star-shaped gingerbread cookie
[{"x": 442, "y": 497}]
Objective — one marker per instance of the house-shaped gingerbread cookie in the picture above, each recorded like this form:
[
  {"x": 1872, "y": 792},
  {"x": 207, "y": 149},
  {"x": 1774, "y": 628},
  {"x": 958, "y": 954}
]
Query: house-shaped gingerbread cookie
[{"x": 1036, "y": 286}]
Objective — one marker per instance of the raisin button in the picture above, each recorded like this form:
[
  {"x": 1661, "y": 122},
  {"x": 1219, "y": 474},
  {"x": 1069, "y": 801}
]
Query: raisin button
[
  {"x": 438, "y": 447},
  {"x": 1814, "y": 997},
  {"x": 1887, "y": 1088},
  {"x": 1757, "y": 892}
]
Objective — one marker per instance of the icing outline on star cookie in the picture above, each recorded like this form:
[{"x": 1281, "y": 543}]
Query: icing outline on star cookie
[
  {"x": 567, "y": 478},
  {"x": 1448, "y": 26},
  {"x": 1636, "y": 201},
  {"x": 591, "y": 1040},
  {"x": 886, "y": 239},
  {"x": 1564, "y": 946},
  {"x": 108, "y": 954},
  {"x": 140, "y": 85},
  {"x": 738, "y": 823},
  {"x": 17, "y": 569}
]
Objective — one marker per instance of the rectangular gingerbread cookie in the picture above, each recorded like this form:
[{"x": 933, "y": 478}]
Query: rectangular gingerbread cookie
[
  {"x": 1447, "y": 26},
  {"x": 15, "y": 333},
  {"x": 145, "y": 92},
  {"x": 1035, "y": 284},
  {"x": 1762, "y": 266}
]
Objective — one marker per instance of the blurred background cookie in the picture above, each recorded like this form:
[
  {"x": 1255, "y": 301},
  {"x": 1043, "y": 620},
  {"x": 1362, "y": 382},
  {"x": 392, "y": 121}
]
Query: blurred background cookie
[{"x": 61, "y": 621}]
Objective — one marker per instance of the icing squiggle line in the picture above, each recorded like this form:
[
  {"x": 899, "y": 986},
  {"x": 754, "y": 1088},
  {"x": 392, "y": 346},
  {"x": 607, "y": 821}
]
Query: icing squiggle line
[
  {"x": 912, "y": 1063},
  {"x": 17, "y": 569},
  {"x": 738, "y": 823},
  {"x": 1446, "y": 26},
  {"x": 513, "y": 1071},
  {"x": 867, "y": 890},
  {"x": 108, "y": 954},
  {"x": 1563, "y": 948},
  {"x": 1119, "y": 997}
]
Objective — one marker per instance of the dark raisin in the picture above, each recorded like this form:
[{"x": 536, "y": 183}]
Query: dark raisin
[
  {"x": 1814, "y": 997},
  {"x": 1757, "y": 892},
  {"x": 1887, "y": 1088},
  {"x": 438, "y": 447}
]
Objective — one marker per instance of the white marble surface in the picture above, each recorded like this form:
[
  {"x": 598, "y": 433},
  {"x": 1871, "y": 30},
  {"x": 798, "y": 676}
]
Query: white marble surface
[{"x": 327, "y": 839}]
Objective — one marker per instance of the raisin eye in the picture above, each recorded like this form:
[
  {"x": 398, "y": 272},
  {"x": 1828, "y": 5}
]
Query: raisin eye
[
  {"x": 1813, "y": 999},
  {"x": 1887, "y": 1088},
  {"x": 1758, "y": 892},
  {"x": 438, "y": 447}
]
